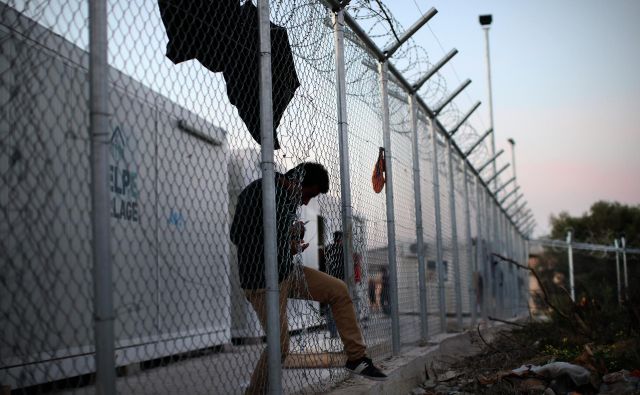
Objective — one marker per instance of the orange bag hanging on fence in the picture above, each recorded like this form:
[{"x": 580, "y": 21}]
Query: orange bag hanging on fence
[{"x": 377, "y": 178}]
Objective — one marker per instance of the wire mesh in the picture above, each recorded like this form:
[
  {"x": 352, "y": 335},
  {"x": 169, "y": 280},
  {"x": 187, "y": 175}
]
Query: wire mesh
[{"x": 185, "y": 200}]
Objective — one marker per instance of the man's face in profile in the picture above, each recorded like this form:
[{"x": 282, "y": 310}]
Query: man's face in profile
[{"x": 309, "y": 193}]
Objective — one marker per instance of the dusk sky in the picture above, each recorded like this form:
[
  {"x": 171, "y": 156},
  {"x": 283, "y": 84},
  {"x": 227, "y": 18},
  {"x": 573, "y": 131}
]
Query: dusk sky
[{"x": 566, "y": 87}]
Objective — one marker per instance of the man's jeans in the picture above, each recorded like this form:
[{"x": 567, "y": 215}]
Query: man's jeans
[{"x": 311, "y": 285}]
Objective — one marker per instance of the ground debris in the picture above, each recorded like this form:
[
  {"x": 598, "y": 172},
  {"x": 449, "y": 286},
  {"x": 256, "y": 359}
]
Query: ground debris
[{"x": 505, "y": 366}]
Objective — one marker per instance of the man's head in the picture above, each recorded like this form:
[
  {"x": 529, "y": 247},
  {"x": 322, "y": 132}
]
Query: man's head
[
  {"x": 337, "y": 236},
  {"x": 313, "y": 179}
]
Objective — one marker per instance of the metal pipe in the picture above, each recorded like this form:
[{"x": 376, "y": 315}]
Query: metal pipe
[
  {"x": 452, "y": 96},
  {"x": 495, "y": 176},
  {"x": 434, "y": 70},
  {"x": 422, "y": 281},
  {"x": 467, "y": 216},
  {"x": 103, "y": 313},
  {"x": 570, "y": 257},
  {"x": 269, "y": 203},
  {"x": 479, "y": 298},
  {"x": 528, "y": 223},
  {"x": 343, "y": 140},
  {"x": 519, "y": 215},
  {"x": 391, "y": 226},
  {"x": 454, "y": 237},
  {"x": 491, "y": 124},
  {"x": 531, "y": 228},
  {"x": 487, "y": 163},
  {"x": 508, "y": 195},
  {"x": 615, "y": 243},
  {"x": 525, "y": 219},
  {"x": 436, "y": 203},
  {"x": 502, "y": 283},
  {"x": 514, "y": 202},
  {"x": 624, "y": 266},
  {"x": 489, "y": 259},
  {"x": 389, "y": 51},
  {"x": 464, "y": 119},
  {"x": 512, "y": 142},
  {"x": 477, "y": 143},
  {"x": 512, "y": 179}
]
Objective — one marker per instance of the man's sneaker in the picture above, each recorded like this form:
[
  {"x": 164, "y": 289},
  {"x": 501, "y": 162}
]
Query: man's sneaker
[{"x": 365, "y": 368}]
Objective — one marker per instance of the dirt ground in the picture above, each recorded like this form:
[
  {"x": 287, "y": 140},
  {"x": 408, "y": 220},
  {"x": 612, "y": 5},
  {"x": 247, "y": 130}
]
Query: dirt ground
[{"x": 611, "y": 367}]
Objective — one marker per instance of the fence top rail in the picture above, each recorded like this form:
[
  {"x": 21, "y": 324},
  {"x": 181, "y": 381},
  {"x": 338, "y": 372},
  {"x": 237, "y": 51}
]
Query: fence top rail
[
  {"x": 582, "y": 246},
  {"x": 406, "y": 86}
]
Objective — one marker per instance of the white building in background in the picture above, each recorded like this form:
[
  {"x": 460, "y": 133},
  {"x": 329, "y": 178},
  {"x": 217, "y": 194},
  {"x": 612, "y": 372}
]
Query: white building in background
[
  {"x": 169, "y": 216},
  {"x": 174, "y": 183}
]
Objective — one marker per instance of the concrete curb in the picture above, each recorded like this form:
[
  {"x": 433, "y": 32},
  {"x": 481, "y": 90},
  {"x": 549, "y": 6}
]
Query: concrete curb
[{"x": 409, "y": 370}]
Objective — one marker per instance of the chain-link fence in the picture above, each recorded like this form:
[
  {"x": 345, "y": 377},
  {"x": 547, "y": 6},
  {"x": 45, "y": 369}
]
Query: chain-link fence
[
  {"x": 585, "y": 273},
  {"x": 139, "y": 248}
]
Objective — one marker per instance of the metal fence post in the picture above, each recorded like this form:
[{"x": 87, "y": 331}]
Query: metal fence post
[
  {"x": 480, "y": 266},
  {"x": 570, "y": 256},
  {"x": 508, "y": 267},
  {"x": 491, "y": 246},
  {"x": 512, "y": 282},
  {"x": 467, "y": 215},
  {"x": 391, "y": 226},
  {"x": 343, "y": 139},
  {"x": 500, "y": 283},
  {"x": 624, "y": 266},
  {"x": 436, "y": 201},
  {"x": 616, "y": 244},
  {"x": 269, "y": 202},
  {"x": 517, "y": 251},
  {"x": 104, "y": 315},
  {"x": 525, "y": 247},
  {"x": 454, "y": 236},
  {"x": 422, "y": 281}
]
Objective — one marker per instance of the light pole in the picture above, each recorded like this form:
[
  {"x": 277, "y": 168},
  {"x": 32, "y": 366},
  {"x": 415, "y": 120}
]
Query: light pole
[{"x": 485, "y": 22}]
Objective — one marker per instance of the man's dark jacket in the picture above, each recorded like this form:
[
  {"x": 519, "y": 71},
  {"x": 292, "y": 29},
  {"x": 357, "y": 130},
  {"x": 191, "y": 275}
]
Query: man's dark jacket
[{"x": 247, "y": 233}]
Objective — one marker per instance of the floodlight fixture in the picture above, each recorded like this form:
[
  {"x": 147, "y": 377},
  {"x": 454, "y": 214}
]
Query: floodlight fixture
[{"x": 485, "y": 20}]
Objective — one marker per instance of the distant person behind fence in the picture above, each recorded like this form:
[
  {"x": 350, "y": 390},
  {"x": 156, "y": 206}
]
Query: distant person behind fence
[
  {"x": 384, "y": 294},
  {"x": 297, "y": 187}
]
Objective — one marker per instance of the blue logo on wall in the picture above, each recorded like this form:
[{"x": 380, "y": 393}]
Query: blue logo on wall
[
  {"x": 176, "y": 218},
  {"x": 123, "y": 181}
]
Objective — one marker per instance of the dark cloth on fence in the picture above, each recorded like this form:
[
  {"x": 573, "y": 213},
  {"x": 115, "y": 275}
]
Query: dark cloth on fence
[{"x": 247, "y": 232}]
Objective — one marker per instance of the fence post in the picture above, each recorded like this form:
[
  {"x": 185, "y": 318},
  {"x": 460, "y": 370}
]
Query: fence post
[
  {"x": 391, "y": 225},
  {"x": 436, "y": 203},
  {"x": 499, "y": 266},
  {"x": 104, "y": 315},
  {"x": 479, "y": 293},
  {"x": 269, "y": 202},
  {"x": 615, "y": 242},
  {"x": 570, "y": 255},
  {"x": 472, "y": 268},
  {"x": 624, "y": 266},
  {"x": 492, "y": 266},
  {"x": 343, "y": 139},
  {"x": 422, "y": 281},
  {"x": 512, "y": 270},
  {"x": 454, "y": 236}
]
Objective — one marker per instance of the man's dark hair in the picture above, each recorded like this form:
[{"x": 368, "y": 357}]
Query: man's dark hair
[
  {"x": 309, "y": 174},
  {"x": 337, "y": 235}
]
